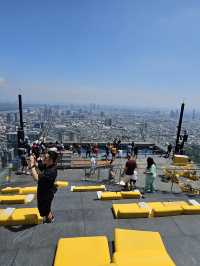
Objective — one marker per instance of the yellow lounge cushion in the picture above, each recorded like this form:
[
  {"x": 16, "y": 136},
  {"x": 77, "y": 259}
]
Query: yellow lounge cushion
[
  {"x": 5, "y": 214},
  {"x": 28, "y": 190},
  {"x": 10, "y": 190},
  {"x": 131, "y": 259},
  {"x": 16, "y": 199},
  {"x": 88, "y": 188},
  {"x": 180, "y": 159},
  {"x": 19, "y": 190},
  {"x": 166, "y": 211},
  {"x": 175, "y": 203},
  {"x": 61, "y": 184},
  {"x": 20, "y": 216},
  {"x": 115, "y": 208},
  {"x": 155, "y": 205},
  {"x": 131, "y": 194},
  {"x": 108, "y": 195},
  {"x": 161, "y": 210},
  {"x": 130, "y": 210},
  {"x": 84, "y": 251},
  {"x": 110, "y": 264},
  {"x": 192, "y": 208},
  {"x": 138, "y": 241},
  {"x": 25, "y": 216}
]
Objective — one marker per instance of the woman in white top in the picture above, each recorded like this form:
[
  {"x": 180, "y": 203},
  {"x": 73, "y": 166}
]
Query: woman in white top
[{"x": 150, "y": 175}]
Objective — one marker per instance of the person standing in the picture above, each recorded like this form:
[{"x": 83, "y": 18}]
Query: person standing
[
  {"x": 169, "y": 149},
  {"x": 113, "y": 152},
  {"x": 132, "y": 147},
  {"x": 96, "y": 150},
  {"x": 135, "y": 152},
  {"x": 45, "y": 173},
  {"x": 118, "y": 144},
  {"x": 133, "y": 180},
  {"x": 128, "y": 173},
  {"x": 150, "y": 175},
  {"x": 93, "y": 165},
  {"x": 107, "y": 150},
  {"x": 24, "y": 163},
  {"x": 111, "y": 172},
  {"x": 129, "y": 147},
  {"x": 88, "y": 150},
  {"x": 79, "y": 150}
]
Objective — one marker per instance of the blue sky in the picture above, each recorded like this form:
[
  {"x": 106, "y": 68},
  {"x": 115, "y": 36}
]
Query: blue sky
[{"x": 140, "y": 53}]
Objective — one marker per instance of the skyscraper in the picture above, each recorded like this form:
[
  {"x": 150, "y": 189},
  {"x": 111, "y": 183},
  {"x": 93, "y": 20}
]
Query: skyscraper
[{"x": 193, "y": 114}]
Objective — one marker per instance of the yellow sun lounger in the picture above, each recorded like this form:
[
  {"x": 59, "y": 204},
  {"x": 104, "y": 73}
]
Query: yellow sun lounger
[
  {"x": 128, "y": 259},
  {"x": 118, "y": 195},
  {"x": 111, "y": 264},
  {"x": 16, "y": 199},
  {"x": 155, "y": 209},
  {"x": 84, "y": 251},
  {"x": 161, "y": 209},
  {"x": 140, "y": 248},
  {"x": 29, "y": 190},
  {"x": 130, "y": 210},
  {"x": 192, "y": 208},
  {"x": 131, "y": 194},
  {"x": 131, "y": 248},
  {"x": 8, "y": 190},
  {"x": 22, "y": 216},
  {"x": 109, "y": 195},
  {"x": 88, "y": 188},
  {"x": 61, "y": 184}
]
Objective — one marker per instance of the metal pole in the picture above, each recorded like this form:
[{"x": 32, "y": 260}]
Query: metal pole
[
  {"x": 21, "y": 112},
  {"x": 20, "y": 132},
  {"x": 179, "y": 128}
]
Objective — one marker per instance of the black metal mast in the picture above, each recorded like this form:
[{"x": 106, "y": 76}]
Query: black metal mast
[
  {"x": 177, "y": 147},
  {"x": 21, "y": 112},
  {"x": 20, "y": 132}
]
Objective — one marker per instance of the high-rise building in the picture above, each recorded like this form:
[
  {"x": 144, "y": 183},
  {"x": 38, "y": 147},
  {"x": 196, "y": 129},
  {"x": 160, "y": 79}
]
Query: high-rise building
[
  {"x": 172, "y": 114},
  {"x": 193, "y": 114},
  {"x": 9, "y": 118},
  {"x": 68, "y": 112},
  {"x": 16, "y": 117},
  {"x": 102, "y": 114},
  {"x": 108, "y": 122}
]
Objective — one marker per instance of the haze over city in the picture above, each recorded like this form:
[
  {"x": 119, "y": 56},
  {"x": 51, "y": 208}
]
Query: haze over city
[
  {"x": 140, "y": 53},
  {"x": 99, "y": 132}
]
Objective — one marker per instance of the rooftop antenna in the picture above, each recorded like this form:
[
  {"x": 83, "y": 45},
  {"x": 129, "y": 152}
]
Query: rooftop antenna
[
  {"x": 20, "y": 132},
  {"x": 177, "y": 146}
]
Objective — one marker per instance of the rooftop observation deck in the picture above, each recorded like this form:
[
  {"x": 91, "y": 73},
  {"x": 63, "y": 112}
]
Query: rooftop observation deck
[{"x": 81, "y": 214}]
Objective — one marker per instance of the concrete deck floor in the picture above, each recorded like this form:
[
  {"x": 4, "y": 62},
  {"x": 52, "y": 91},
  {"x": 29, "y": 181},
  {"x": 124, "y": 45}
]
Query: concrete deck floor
[{"x": 81, "y": 214}]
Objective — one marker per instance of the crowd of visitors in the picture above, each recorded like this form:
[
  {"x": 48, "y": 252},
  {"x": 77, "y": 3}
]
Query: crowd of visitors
[
  {"x": 112, "y": 150},
  {"x": 42, "y": 162}
]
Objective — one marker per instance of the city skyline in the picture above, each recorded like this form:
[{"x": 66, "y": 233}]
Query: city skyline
[{"x": 142, "y": 54}]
